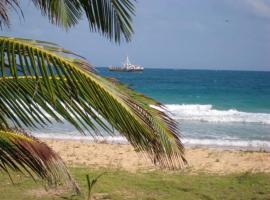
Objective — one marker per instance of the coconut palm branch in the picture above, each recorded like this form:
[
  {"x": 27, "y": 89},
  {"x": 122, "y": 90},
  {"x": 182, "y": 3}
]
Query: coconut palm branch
[
  {"x": 111, "y": 18},
  {"x": 41, "y": 81},
  {"x": 21, "y": 152},
  {"x": 5, "y": 6}
]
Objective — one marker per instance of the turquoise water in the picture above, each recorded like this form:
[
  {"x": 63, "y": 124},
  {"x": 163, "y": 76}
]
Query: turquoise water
[
  {"x": 241, "y": 90},
  {"x": 213, "y": 108}
]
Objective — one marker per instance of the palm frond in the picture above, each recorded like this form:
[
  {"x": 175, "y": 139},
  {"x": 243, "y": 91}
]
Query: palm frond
[
  {"x": 45, "y": 77},
  {"x": 22, "y": 153},
  {"x": 111, "y": 18},
  {"x": 65, "y": 13},
  {"x": 5, "y": 7}
]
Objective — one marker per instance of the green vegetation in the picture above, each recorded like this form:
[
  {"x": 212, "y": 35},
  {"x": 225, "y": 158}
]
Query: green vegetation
[
  {"x": 150, "y": 185},
  {"x": 41, "y": 81}
]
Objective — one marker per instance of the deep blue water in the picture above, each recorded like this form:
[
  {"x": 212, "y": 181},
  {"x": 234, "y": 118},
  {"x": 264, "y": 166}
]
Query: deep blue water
[{"x": 242, "y": 90}]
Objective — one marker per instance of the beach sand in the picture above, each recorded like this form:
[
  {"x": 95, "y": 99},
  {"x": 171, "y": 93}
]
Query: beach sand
[{"x": 123, "y": 156}]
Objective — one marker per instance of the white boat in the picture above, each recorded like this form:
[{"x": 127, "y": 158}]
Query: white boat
[{"x": 127, "y": 67}]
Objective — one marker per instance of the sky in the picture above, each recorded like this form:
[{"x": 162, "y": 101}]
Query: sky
[{"x": 184, "y": 34}]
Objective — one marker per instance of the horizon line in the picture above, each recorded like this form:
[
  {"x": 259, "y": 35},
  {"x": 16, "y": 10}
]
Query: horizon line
[{"x": 202, "y": 69}]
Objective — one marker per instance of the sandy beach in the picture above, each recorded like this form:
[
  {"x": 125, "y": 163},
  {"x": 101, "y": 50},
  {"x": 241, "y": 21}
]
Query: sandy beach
[{"x": 123, "y": 156}]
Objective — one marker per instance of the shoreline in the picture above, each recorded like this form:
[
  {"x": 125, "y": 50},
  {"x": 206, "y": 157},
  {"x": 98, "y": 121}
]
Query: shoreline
[
  {"x": 253, "y": 145},
  {"x": 122, "y": 156}
]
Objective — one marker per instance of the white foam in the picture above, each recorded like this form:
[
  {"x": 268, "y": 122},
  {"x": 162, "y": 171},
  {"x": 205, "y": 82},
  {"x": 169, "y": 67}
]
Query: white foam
[
  {"x": 207, "y": 113},
  {"x": 239, "y": 144},
  {"x": 222, "y": 143},
  {"x": 109, "y": 139}
]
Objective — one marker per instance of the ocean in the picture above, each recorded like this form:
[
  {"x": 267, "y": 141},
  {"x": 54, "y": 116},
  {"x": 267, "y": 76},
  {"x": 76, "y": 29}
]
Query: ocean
[{"x": 228, "y": 109}]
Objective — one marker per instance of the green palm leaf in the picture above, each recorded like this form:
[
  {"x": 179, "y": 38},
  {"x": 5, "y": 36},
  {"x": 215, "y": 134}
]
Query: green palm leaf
[
  {"x": 65, "y": 13},
  {"x": 5, "y": 6},
  {"x": 111, "y": 18},
  {"x": 43, "y": 76}
]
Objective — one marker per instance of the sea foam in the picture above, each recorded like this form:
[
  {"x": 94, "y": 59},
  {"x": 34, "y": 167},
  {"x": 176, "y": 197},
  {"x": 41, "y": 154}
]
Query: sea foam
[
  {"x": 222, "y": 143},
  {"x": 230, "y": 144},
  {"x": 206, "y": 113}
]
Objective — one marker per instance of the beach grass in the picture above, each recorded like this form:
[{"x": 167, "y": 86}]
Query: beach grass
[{"x": 118, "y": 184}]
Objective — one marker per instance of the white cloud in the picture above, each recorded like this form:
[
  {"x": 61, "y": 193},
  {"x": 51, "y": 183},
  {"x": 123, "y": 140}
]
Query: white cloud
[{"x": 260, "y": 7}]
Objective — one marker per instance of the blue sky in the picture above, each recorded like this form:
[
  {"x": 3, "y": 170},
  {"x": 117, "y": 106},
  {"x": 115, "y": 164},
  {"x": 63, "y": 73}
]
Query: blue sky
[{"x": 189, "y": 34}]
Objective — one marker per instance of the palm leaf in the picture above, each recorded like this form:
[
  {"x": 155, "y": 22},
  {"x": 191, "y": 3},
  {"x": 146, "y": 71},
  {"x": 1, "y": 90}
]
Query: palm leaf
[
  {"x": 5, "y": 6},
  {"x": 42, "y": 76},
  {"x": 111, "y": 18},
  {"x": 23, "y": 153},
  {"x": 65, "y": 13}
]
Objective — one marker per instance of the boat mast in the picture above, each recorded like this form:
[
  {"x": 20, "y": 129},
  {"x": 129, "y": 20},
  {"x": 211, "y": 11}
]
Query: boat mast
[{"x": 127, "y": 61}]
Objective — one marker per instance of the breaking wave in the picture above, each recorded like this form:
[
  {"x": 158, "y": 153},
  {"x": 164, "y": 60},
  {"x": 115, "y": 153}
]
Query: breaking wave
[{"x": 206, "y": 113}]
